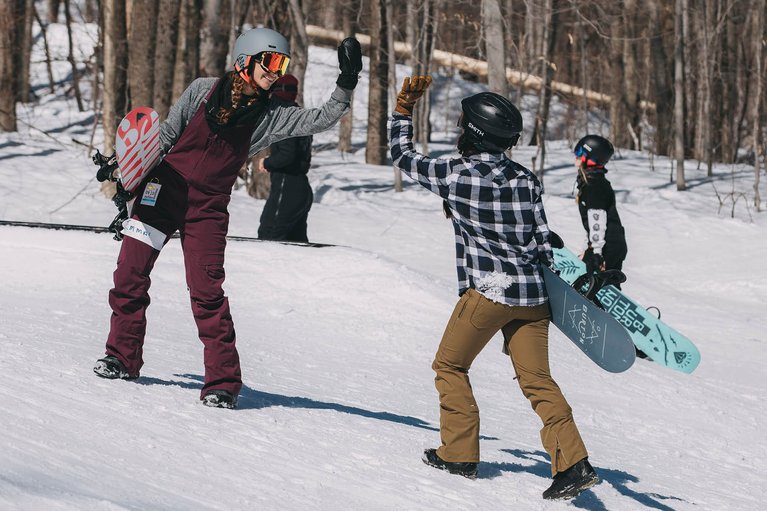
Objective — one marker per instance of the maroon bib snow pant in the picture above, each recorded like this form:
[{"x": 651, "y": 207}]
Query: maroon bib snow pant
[{"x": 195, "y": 180}]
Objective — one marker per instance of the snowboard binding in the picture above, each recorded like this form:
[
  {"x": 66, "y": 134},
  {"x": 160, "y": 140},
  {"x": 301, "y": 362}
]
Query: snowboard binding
[
  {"x": 589, "y": 284},
  {"x": 106, "y": 172}
]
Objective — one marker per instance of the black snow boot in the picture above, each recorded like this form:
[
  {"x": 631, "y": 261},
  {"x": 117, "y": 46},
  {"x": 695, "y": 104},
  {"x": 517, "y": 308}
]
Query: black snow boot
[
  {"x": 111, "y": 368},
  {"x": 461, "y": 468},
  {"x": 219, "y": 399},
  {"x": 572, "y": 482}
]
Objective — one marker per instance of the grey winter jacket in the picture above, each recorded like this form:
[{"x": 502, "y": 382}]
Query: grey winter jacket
[{"x": 282, "y": 120}]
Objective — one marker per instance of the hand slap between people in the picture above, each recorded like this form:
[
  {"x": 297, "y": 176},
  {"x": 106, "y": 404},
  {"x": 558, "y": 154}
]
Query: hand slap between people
[
  {"x": 349, "y": 62},
  {"x": 412, "y": 89}
]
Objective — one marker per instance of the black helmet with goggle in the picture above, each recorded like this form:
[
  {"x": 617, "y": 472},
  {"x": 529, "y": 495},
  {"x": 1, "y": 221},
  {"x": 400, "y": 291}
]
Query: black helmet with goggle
[
  {"x": 594, "y": 150},
  {"x": 261, "y": 47}
]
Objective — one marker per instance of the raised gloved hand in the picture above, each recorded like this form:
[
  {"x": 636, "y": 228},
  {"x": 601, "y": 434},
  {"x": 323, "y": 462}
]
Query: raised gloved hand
[
  {"x": 594, "y": 262},
  {"x": 412, "y": 89},
  {"x": 349, "y": 62}
]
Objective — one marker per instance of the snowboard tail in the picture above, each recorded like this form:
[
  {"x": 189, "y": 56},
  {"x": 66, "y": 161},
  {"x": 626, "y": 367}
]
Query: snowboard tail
[
  {"x": 661, "y": 343},
  {"x": 593, "y": 330}
]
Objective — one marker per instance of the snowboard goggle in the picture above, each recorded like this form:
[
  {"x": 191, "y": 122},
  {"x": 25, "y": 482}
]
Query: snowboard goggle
[
  {"x": 273, "y": 62},
  {"x": 581, "y": 153}
]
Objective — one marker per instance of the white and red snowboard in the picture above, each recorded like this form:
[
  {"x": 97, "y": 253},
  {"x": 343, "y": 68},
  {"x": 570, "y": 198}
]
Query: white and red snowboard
[
  {"x": 137, "y": 146},
  {"x": 137, "y": 151}
]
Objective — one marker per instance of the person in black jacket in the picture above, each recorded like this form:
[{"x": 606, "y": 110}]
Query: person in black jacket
[
  {"x": 596, "y": 202},
  {"x": 287, "y": 209}
]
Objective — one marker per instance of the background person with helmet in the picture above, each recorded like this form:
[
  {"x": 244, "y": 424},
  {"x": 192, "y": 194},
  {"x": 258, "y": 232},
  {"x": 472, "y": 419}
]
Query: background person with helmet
[
  {"x": 501, "y": 239},
  {"x": 210, "y": 132},
  {"x": 290, "y": 197},
  {"x": 606, "y": 248}
]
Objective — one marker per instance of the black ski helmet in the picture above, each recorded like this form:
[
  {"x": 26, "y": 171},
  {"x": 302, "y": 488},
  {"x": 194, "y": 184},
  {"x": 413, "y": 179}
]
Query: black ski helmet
[
  {"x": 490, "y": 121},
  {"x": 594, "y": 151}
]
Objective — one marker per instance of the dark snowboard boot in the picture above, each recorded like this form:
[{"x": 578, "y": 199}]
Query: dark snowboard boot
[
  {"x": 461, "y": 468},
  {"x": 572, "y": 482},
  {"x": 219, "y": 399},
  {"x": 111, "y": 368}
]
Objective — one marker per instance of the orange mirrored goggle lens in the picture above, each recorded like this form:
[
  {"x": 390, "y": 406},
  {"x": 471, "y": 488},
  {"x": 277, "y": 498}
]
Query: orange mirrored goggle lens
[{"x": 276, "y": 63}]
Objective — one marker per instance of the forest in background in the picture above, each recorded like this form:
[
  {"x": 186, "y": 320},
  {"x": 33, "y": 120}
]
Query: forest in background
[{"x": 680, "y": 78}]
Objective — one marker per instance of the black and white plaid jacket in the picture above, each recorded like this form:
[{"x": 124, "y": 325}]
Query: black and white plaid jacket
[{"x": 501, "y": 234}]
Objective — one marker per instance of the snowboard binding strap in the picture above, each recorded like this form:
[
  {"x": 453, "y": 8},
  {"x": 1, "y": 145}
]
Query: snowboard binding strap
[{"x": 106, "y": 172}]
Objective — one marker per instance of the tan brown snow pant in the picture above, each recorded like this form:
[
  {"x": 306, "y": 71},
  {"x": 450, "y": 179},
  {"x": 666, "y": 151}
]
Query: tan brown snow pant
[{"x": 474, "y": 322}]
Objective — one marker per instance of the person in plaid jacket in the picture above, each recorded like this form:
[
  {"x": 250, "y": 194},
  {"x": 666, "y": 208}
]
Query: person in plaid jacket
[{"x": 502, "y": 239}]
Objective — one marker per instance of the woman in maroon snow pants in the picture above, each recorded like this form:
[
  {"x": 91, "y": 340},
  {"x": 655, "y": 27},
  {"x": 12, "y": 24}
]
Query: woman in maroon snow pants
[{"x": 208, "y": 136}]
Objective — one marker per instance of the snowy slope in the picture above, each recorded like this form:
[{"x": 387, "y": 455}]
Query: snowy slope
[{"x": 336, "y": 346}]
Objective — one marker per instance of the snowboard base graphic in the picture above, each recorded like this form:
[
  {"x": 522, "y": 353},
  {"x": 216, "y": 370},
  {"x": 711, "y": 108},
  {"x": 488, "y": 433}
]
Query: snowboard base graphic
[
  {"x": 137, "y": 146},
  {"x": 661, "y": 343},
  {"x": 593, "y": 330}
]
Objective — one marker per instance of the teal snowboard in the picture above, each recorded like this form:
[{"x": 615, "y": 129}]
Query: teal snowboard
[
  {"x": 593, "y": 330},
  {"x": 661, "y": 343}
]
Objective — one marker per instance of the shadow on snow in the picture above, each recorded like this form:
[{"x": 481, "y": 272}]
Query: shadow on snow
[
  {"x": 618, "y": 479},
  {"x": 251, "y": 399}
]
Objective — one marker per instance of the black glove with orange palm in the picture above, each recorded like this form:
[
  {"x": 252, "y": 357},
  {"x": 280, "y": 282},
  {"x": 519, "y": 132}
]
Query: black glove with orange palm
[{"x": 412, "y": 89}]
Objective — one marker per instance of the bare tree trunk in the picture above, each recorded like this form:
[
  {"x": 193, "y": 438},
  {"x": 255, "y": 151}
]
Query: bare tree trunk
[
  {"x": 492, "y": 23},
  {"x": 664, "y": 93},
  {"x": 299, "y": 45},
  {"x": 542, "y": 119},
  {"x": 90, "y": 11},
  {"x": 617, "y": 82},
  {"x": 115, "y": 45},
  {"x": 703, "y": 18},
  {"x": 48, "y": 68},
  {"x": 187, "y": 66},
  {"x": 757, "y": 38},
  {"x": 413, "y": 8},
  {"x": 215, "y": 41},
  {"x": 7, "y": 71},
  {"x": 630, "y": 75},
  {"x": 426, "y": 37},
  {"x": 377, "y": 140},
  {"x": 71, "y": 58},
  {"x": 115, "y": 69},
  {"x": 348, "y": 16},
  {"x": 25, "y": 52},
  {"x": 52, "y": 10},
  {"x": 165, "y": 55},
  {"x": 681, "y": 12},
  {"x": 142, "y": 34},
  {"x": 390, "y": 56},
  {"x": 546, "y": 46}
]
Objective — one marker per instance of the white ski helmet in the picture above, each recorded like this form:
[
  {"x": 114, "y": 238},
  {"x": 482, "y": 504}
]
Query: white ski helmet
[{"x": 254, "y": 42}]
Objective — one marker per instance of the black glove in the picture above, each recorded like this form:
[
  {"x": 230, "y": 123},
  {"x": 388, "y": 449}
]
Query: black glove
[
  {"x": 555, "y": 240},
  {"x": 349, "y": 62},
  {"x": 593, "y": 262}
]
